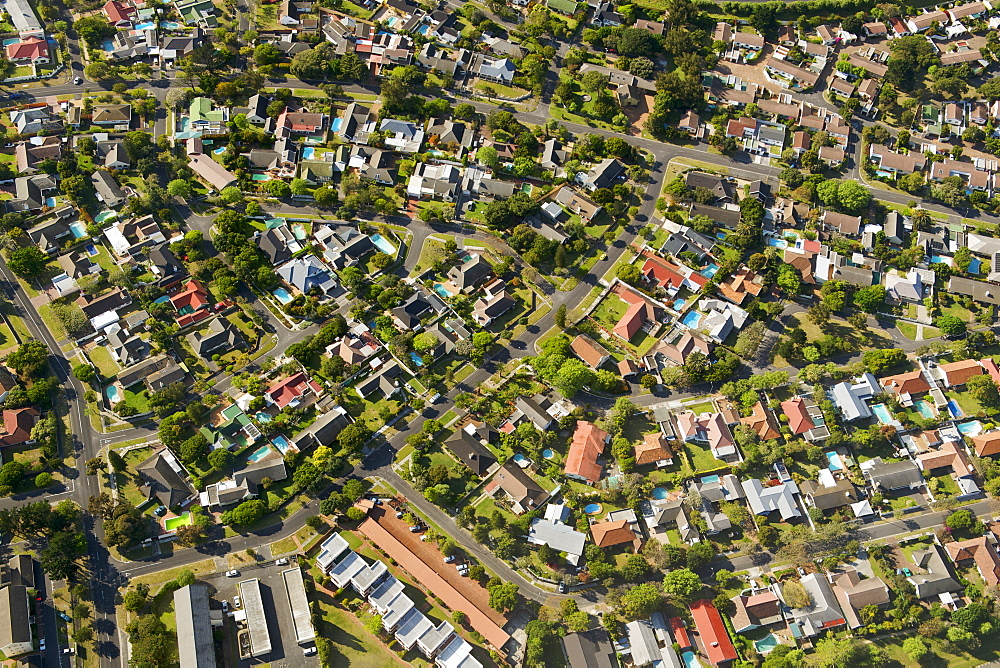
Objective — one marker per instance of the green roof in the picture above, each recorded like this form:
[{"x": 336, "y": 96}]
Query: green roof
[
  {"x": 202, "y": 110},
  {"x": 562, "y": 6}
]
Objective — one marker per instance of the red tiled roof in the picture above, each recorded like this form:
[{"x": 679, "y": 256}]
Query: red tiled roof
[
  {"x": 707, "y": 620},
  {"x": 653, "y": 448},
  {"x": 631, "y": 322},
  {"x": 31, "y": 48},
  {"x": 607, "y": 534},
  {"x": 680, "y": 632},
  {"x": 798, "y": 418},
  {"x": 958, "y": 373},
  {"x": 912, "y": 382},
  {"x": 194, "y": 295},
  {"x": 983, "y": 553},
  {"x": 588, "y": 443},
  {"x": 661, "y": 274},
  {"x": 991, "y": 368},
  {"x": 589, "y": 351},
  {"x": 290, "y": 389},
  {"x": 17, "y": 425},
  {"x": 118, "y": 11},
  {"x": 429, "y": 579},
  {"x": 762, "y": 422},
  {"x": 987, "y": 444}
]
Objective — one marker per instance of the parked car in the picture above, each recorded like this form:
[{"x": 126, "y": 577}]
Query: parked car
[
  {"x": 237, "y": 602},
  {"x": 66, "y": 618},
  {"x": 282, "y": 562},
  {"x": 77, "y": 80},
  {"x": 232, "y": 574},
  {"x": 416, "y": 528},
  {"x": 41, "y": 644},
  {"x": 562, "y": 587},
  {"x": 450, "y": 558},
  {"x": 399, "y": 514},
  {"x": 309, "y": 651},
  {"x": 225, "y": 606}
]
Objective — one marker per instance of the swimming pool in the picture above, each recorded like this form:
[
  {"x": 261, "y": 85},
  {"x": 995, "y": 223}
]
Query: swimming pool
[
  {"x": 548, "y": 454},
  {"x": 720, "y": 235},
  {"x": 417, "y": 359},
  {"x": 691, "y": 319},
  {"x": 113, "y": 394},
  {"x": 260, "y": 177},
  {"x": 438, "y": 288},
  {"x": 709, "y": 479},
  {"x": 78, "y": 229},
  {"x": 299, "y": 230},
  {"x": 259, "y": 454},
  {"x": 519, "y": 458},
  {"x": 91, "y": 250},
  {"x": 777, "y": 243},
  {"x": 282, "y": 295},
  {"x": 679, "y": 304},
  {"x": 50, "y": 202},
  {"x": 834, "y": 459},
  {"x": 691, "y": 660},
  {"x": 383, "y": 245},
  {"x": 162, "y": 300},
  {"x": 336, "y": 124},
  {"x": 766, "y": 644},
  {"x": 974, "y": 265},
  {"x": 937, "y": 259},
  {"x": 710, "y": 270},
  {"x": 925, "y": 409},
  {"x": 105, "y": 216},
  {"x": 263, "y": 417},
  {"x": 308, "y": 152},
  {"x": 281, "y": 443},
  {"x": 882, "y": 413},
  {"x": 659, "y": 493},
  {"x": 170, "y": 25},
  {"x": 177, "y": 522},
  {"x": 954, "y": 409},
  {"x": 592, "y": 508},
  {"x": 145, "y": 26},
  {"x": 220, "y": 150},
  {"x": 970, "y": 428}
]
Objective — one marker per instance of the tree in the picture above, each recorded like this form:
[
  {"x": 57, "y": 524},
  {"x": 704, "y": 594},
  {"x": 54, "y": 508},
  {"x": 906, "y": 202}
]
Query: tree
[
  {"x": 950, "y": 325},
  {"x": 30, "y": 359},
  {"x": 640, "y": 601},
  {"x": 503, "y": 596},
  {"x": 179, "y": 188},
  {"x": 84, "y": 373},
  {"x": 628, "y": 273},
  {"x": 59, "y": 558},
  {"x": 960, "y": 520},
  {"x": 984, "y": 390},
  {"x": 94, "y": 30},
  {"x": 220, "y": 459},
  {"x": 869, "y": 298},
  {"x": 353, "y": 436},
  {"x": 247, "y": 512},
  {"x": 231, "y": 195},
  {"x": 636, "y": 568},
  {"x": 834, "y": 652},
  {"x": 560, "y": 316},
  {"x": 853, "y": 196},
  {"x": 135, "y": 599},
  {"x": 27, "y": 262},
  {"x": 43, "y": 480},
  {"x": 700, "y": 554},
  {"x": 682, "y": 585},
  {"x": 572, "y": 377}
]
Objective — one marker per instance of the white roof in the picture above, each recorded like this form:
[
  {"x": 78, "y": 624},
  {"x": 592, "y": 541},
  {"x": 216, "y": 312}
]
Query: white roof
[
  {"x": 642, "y": 639},
  {"x": 779, "y": 498},
  {"x": 558, "y": 536}
]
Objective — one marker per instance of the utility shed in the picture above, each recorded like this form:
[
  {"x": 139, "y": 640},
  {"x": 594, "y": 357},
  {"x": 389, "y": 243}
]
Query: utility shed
[
  {"x": 194, "y": 627},
  {"x": 253, "y": 604},
  {"x": 297, "y": 601}
]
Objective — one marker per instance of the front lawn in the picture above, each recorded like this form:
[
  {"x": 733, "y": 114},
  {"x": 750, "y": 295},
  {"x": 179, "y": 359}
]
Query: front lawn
[
  {"x": 101, "y": 358},
  {"x": 702, "y": 458},
  {"x": 610, "y": 310}
]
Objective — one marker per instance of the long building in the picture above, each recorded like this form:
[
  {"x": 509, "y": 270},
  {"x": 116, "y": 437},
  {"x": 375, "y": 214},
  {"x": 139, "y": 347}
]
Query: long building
[
  {"x": 194, "y": 626},
  {"x": 301, "y": 619},
  {"x": 253, "y": 605}
]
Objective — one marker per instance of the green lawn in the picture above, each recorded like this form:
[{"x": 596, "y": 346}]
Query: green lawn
[
  {"x": 958, "y": 311},
  {"x": 370, "y": 412},
  {"x": 703, "y": 407},
  {"x": 137, "y": 400},
  {"x": 702, "y": 458},
  {"x": 965, "y": 401},
  {"x": 610, "y": 310},
  {"x": 907, "y": 329},
  {"x": 506, "y": 91}
]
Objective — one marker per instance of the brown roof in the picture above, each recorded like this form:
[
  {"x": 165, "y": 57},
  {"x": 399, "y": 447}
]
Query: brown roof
[
  {"x": 983, "y": 553},
  {"x": 762, "y": 421},
  {"x": 846, "y": 224},
  {"x": 654, "y": 448},
  {"x": 743, "y": 284},
  {"x": 429, "y": 579},
  {"x": 959, "y": 373},
  {"x": 17, "y": 425},
  {"x": 589, "y": 351},
  {"x": 987, "y": 444},
  {"x": 607, "y": 534},
  {"x": 587, "y": 445},
  {"x": 947, "y": 455},
  {"x": 912, "y": 382},
  {"x": 627, "y": 367},
  {"x": 518, "y": 485},
  {"x": 758, "y": 609}
]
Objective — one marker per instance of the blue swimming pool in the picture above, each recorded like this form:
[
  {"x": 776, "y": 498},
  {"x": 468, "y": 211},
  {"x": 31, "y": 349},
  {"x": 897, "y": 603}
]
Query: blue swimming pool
[
  {"x": 417, "y": 359},
  {"x": 974, "y": 265},
  {"x": 710, "y": 270},
  {"x": 281, "y": 443},
  {"x": 383, "y": 245},
  {"x": 78, "y": 229},
  {"x": 834, "y": 459},
  {"x": 282, "y": 295},
  {"x": 91, "y": 250},
  {"x": 438, "y": 288},
  {"x": 105, "y": 216},
  {"x": 162, "y": 300},
  {"x": 145, "y": 26},
  {"x": 519, "y": 458},
  {"x": 220, "y": 150},
  {"x": 336, "y": 124},
  {"x": 592, "y": 508},
  {"x": 299, "y": 230},
  {"x": 691, "y": 319},
  {"x": 691, "y": 660},
  {"x": 766, "y": 644},
  {"x": 720, "y": 235},
  {"x": 709, "y": 479},
  {"x": 548, "y": 454},
  {"x": 263, "y": 417},
  {"x": 882, "y": 413},
  {"x": 954, "y": 409},
  {"x": 260, "y": 177},
  {"x": 113, "y": 394},
  {"x": 308, "y": 152},
  {"x": 659, "y": 493},
  {"x": 259, "y": 454},
  {"x": 170, "y": 25},
  {"x": 970, "y": 428},
  {"x": 925, "y": 409},
  {"x": 678, "y": 304}
]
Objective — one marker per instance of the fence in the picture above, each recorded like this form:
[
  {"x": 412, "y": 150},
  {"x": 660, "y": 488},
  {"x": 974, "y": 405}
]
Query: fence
[{"x": 36, "y": 77}]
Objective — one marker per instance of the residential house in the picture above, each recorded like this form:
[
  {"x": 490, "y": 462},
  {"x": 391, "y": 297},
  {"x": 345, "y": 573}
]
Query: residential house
[
  {"x": 468, "y": 445},
  {"x": 577, "y": 203},
  {"x": 584, "y": 451},
  {"x": 653, "y": 449},
  {"x": 31, "y": 195},
  {"x": 763, "y": 422},
  {"x": 220, "y": 337},
  {"x": 29, "y": 154},
  {"x": 496, "y": 70},
  {"x": 980, "y": 551},
  {"x": 830, "y": 493},
  {"x": 114, "y": 116},
  {"x": 491, "y": 306},
  {"x": 588, "y": 649},
  {"x": 892, "y": 476},
  {"x": 26, "y": 23},
  {"x": 133, "y": 236},
  {"x": 291, "y": 391},
  {"x": 986, "y": 444},
  {"x": 620, "y": 528},
  {"x": 758, "y": 609},
  {"x": 933, "y": 577},
  {"x": 955, "y": 374},
  {"x": 211, "y": 172},
  {"x": 720, "y": 187},
  {"x": 778, "y": 498},
  {"x": 164, "y": 264},
  {"x": 29, "y": 51},
  {"x": 823, "y": 613},
  {"x": 710, "y": 429},
  {"x": 726, "y": 489},
  {"x": 850, "y": 401},
  {"x": 108, "y": 190},
  {"x": 602, "y": 175},
  {"x": 591, "y": 352},
  {"x": 712, "y": 632},
  {"x": 386, "y": 381},
  {"x": 15, "y": 623},
  {"x": 523, "y": 493},
  {"x": 306, "y": 274},
  {"x": 29, "y": 121},
  {"x": 276, "y": 244},
  {"x": 257, "y": 109},
  {"x": 447, "y": 135},
  {"x": 164, "y": 479},
  {"x": 420, "y": 305},
  {"x": 535, "y": 410},
  {"x": 787, "y": 75},
  {"x": 17, "y": 426},
  {"x": 77, "y": 264},
  {"x": 113, "y": 154},
  {"x": 102, "y": 311},
  {"x": 127, "y": 348},
  {"x": 854, "y": 593}
]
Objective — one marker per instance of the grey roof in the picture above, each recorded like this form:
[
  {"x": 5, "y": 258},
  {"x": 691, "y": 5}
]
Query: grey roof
[
  {"x": 384, "y": 380},
  {"x": 468, "y": 449},
  {"x": 221, "y": 335},
  {"x": 603, "y": 174},
  {"x": 194, "y": 626},
  {"x": 133, "y": 374},
  {"x": 95, "y": 306},
  {"x": 717, "y": 185},
  {"x": 854, "y": 275},
  {"x": 534, "y": 411},
  {"x": 253, "y": 604},
  {"x": 295, "y": 589},
  {"x": 324, "y": 429},
  {"x": 14, "y": 626},
  {"x": 836, "y": 496},
  {"x": 642, "y": 639},
  {"x": 129, "y": 347},
  {"x": 306, "y": 273},
  {"x": 450, "y": 132},
  {"x": 502, "y": 69},
  {"x": 589, "y": 649},
  {"x": 22, "y": 570},
  {"x": 165, "y": 261},
  {"x": 272, "y": 469},
  {"x": 560, "y": 537},
  {"x": 728, "y": 218},
  {"x": 257, "y": 106},
  {"x": 168, "y": 375},
  {"x": 824, "y": 612},
  {"x": 29, "y": 192},
  {"x": 848, "y": 403},
  {"x": 893, "y": 475},
  {"x": 471, "y": 273},
  {"x": 274, "y": 246},
  {"x": 938, "y": 578},
  {"x": 410, "y": 312},
  {"x": 986, "y": 293},
  {"x": 163, "y": 480}
]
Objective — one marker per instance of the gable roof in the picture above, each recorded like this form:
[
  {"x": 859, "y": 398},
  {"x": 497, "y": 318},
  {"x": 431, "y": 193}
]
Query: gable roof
[
  {"x": 798, "y": 417},
  {"x": 607, "y": 534},
  {"x": 653, "y": 448},
  {"x": 958, "y": 373},
  {"x": 983, "y": 552},
  {"x": 715, "y": 639},
  {"x": 586, "y": 447},
  {"x": 164, "y": 479},
  {"x": 762, "y": 421},
  {"x": 518, "y": 485},
  {"x": 987, "y": 444},
  {"x": 470, "y": 451},
  {"x": 590, "y": 351},
  {"x": 17, "y": 425},
  {"x": 912, "y": 382}
]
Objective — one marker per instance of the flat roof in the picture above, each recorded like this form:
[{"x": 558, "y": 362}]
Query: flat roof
[
  {"x": 301, "y": 619},
  {"x": 253, "y": 605},
  {"x": 194, "y": 627}
]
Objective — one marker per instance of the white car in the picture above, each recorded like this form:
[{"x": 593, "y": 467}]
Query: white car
[
  {"x": 282, "y": 562},
  {"x": 232, "y": 574},
  {"x": 237, "y": 602},
  {"x": 41, "y": 644},
  {"x": 225, "y": 606},
  {"x": 77, "y": 80},
  {"x": 309, "y": 651}
]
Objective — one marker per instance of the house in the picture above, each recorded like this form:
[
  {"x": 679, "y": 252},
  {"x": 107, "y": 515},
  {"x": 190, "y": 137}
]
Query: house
[
  {"x": 602, "y": 175},
  {"x": 291, "y": 390},
  {"x": 854, "y": 593},
  {"x": 29, "y": 121},
  {"x": 788, "y": 75},
  {"x": 986, "y": 444},
  {"x": 257, "y": 109},
  {"x": 403, "y": 136},
  {"x": 30, "y": 50},
  {"x": 778, "y": 498},
  {"x": 449, "y": 135},
  {"x": 489, "y": 308},
  {"x": 164, "y": 264},
  {"x": 385, "y": 381},
  {"x": 156, "y": 372},
  {"x": 15, "y": 623},
  {"x": 7, "y": 382},
  {"x": 892, "y": 476},
  {"x": 115, "y": 116},
  {"x": 77, "y": 264},
  {"x": 639, "y": 313},
  {"x": 130, "y": 237},
  {"x": 823, "y": 613},
  {"x": 661, "y": 516},
  {"x": 468, "y": 446},
  {"x": 275, "y": 244},
  {"x": 211, "y": 172},
  {"x": 561, "y": 537},
  {"x": 758, "y": 609},
  {"x": 471, "y": 274},
  {"x": 434, "y": 181},
  {"x": 832, "y": 156},
  {"x": 113, "y": 154},
  {"x": 108, "y": 190},
  {"x": 97, "y": 307},
  {"x": 523, "y": 492},
  {"x": 726, "y": 489},
  {"x": 711, "y": 429},
  {"x": 841, "y": 222},
  {"x": 849, "y": 403},
  {"x": 26, "y": 24},
  {"x": 588, "y": 649},
  {"x": 744, "y": 283},
  {"x": 413, "y": 310},
  {"x": 616, "y": 532},
  {"x": 720, "y": 319},
  {"x": 356, "y": 124},
  {"x": 955, "y": 374},
  {"x": 126, "y": 348},
  {"x": 712, "y": 631},
  {"x": 827, "y": 35},
  {"x": 934, "y": 578},
  {"x": 653, "y": 449},
  {"x": 763, "y": 422},
  {"x": 17, "y": 426},
  {"x": 679, "y": 350},
  {"x": 690, "y": 123},
  {"x": 606, "y": 17},
  {"x": 980, "y": 291},
  {"x": 590, "y": 351},
  {"x": 577, "y": 203},
  {"x": 586, "y": 447},
  {"x": 649, "y": 643},
  {"x": 535, "y": 410},
  {"x": 910, "y": 383},
  {"x": 829, "y": 493},
  {"x": 875, "y": 29},
  {"x": 306, "y": 274},
  {"x": 29, "y": 154},
  {"x": 980, "y": 551},
  {"x": 164, "y": 479},
  {"x": 220, "y": 337},
  {"x": 496, "y": 70}
]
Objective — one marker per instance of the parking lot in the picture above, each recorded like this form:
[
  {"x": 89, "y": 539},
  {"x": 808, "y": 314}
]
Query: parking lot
[{"x": 285, "y": 653}]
